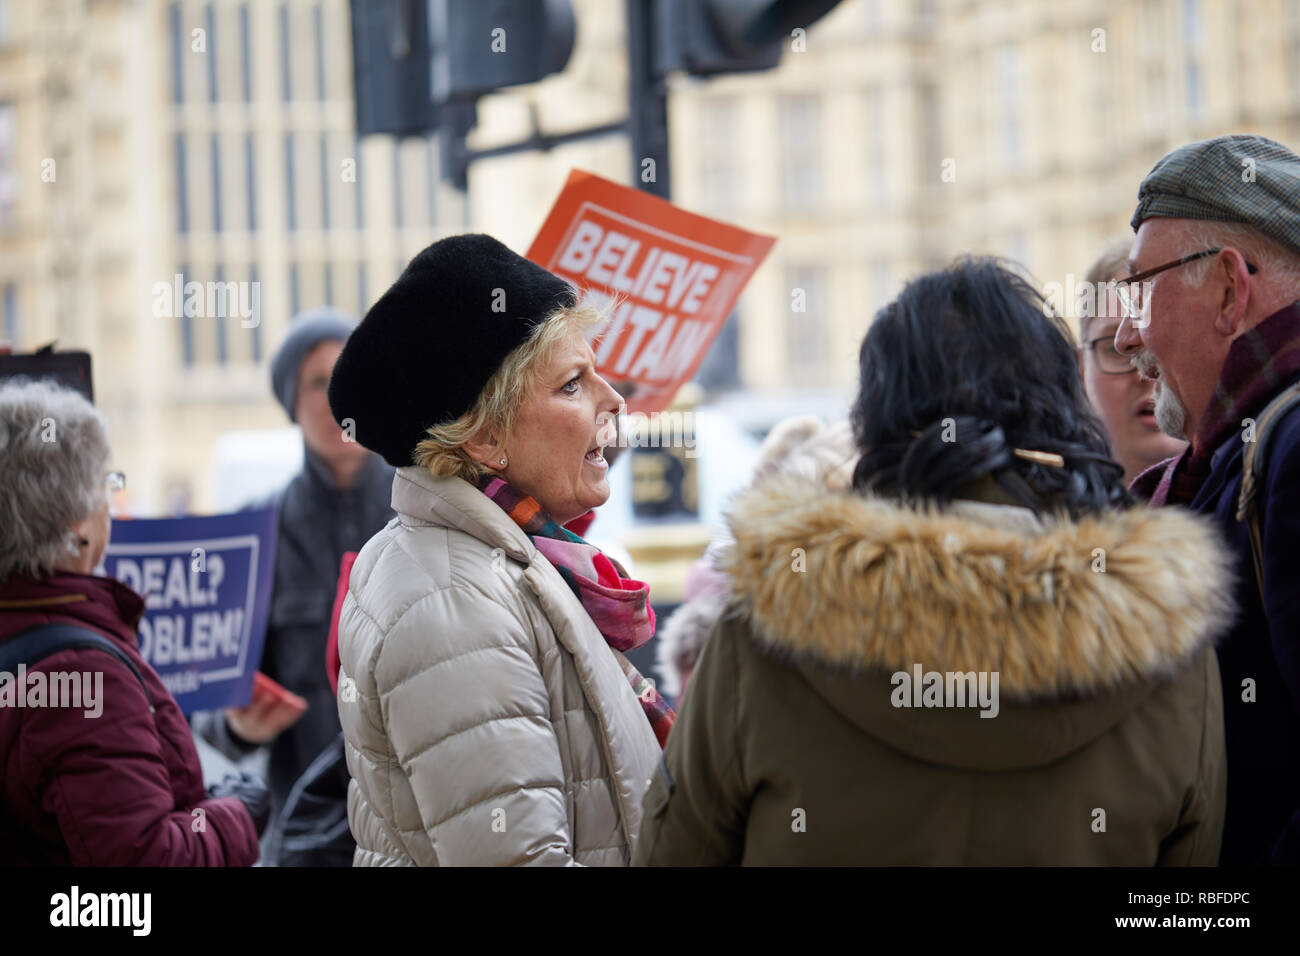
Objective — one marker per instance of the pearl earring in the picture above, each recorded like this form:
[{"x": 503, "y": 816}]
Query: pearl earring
[{"x": 503, "y": 462}]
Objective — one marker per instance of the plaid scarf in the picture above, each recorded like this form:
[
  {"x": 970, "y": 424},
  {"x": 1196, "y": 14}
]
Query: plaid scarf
[
  {"x": 618, "y": 605},
  {"x": 1259, "y": 364}
]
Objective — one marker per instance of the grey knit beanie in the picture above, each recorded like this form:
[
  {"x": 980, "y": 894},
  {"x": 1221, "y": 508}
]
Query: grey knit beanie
[{"x": 306, "y": 331}]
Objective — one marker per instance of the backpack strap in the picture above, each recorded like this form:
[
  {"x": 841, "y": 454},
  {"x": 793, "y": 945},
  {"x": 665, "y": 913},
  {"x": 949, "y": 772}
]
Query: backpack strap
[
  {"x": 37, "y": 643},
  {"x": 1254, "y": 468}
]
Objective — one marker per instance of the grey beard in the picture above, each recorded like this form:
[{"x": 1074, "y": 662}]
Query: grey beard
[{"x": 1171, "y": 416}]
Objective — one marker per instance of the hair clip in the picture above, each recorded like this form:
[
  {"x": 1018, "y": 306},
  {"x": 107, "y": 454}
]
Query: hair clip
[
  {"x": 1040, "y": 457},
  {"x": 1037, "y": 457}
]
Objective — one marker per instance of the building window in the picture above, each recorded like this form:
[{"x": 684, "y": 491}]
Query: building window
[
  {"x": 250, "y": 170},
  {"x": 931, "y": 135},
  {"x": 291, "y": 207},
  {"x": 210, "y": 22},
  {"x": 1010, "y": 95},
  {"x": 223, "y": 352},
  {"x": 1018, "y": 247},
  {"x": 324, "y": 181},
  {"x": 1192, "y": 49},
  {"x": 877, "y": 154},
  {"x": 178, "y": 85},
  {"x": 11, "y": 314},
  {"x": 431, "y": 167},
  {"x": 187, "y": 323},
  {"x": 800, "y": 150},
  {"x": 8, "y": 166},
  {"x": 245, "y": 63},
  {"x": 182, "y": 187},
  {"x": 720, "y": 370},
  {"x": 356, "y": 185},
  {"x": 718, "y": 173},
  {"x": 257, "y": 318},
  {"x": 807, "y": 335},
  {"x": 286, "y": 84},
  {"x": 397, "y": 186},
  {"x": 882, "y": 283},
  {"x": 216, "y": 183},
  {"x": 318, "y": 19},
  {"x": 871, "y": 18},
  {"x": 1291, "y": 51}
]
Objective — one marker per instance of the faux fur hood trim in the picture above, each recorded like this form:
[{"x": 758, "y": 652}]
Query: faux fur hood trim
[{"x": 977, "y": 587}]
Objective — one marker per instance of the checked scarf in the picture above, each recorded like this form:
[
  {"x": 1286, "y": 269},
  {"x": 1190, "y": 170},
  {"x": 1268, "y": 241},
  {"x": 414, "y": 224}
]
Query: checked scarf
[
  {"x": 1259, "y": 364},
  {"x": 618, "y": 605}
]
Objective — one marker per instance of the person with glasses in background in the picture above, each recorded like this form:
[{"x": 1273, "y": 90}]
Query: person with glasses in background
[
  {"x": 1213, "y": 318},
  {"x": 1124, "y": 401},
  {"x": 108, "y": 776}
]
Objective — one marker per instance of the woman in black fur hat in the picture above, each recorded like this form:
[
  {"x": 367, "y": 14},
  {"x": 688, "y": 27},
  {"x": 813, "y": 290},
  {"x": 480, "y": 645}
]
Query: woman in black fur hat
[{"x": 489, "y": 713}]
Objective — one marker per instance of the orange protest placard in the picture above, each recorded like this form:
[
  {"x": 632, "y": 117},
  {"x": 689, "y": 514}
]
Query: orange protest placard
[{"x": 672, "y": 276}]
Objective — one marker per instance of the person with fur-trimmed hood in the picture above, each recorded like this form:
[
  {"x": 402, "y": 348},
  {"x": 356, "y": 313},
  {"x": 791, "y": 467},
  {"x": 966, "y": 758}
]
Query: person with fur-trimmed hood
[{"x": 981, "y": 654}]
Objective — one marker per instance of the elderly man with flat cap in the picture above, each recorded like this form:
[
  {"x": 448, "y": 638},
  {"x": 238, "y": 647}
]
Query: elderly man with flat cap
[{"x": 1213, "y": 319}]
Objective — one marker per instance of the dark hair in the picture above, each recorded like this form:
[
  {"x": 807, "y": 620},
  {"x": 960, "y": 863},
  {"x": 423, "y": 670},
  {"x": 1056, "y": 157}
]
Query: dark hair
[{"x": 966, "y": 366}]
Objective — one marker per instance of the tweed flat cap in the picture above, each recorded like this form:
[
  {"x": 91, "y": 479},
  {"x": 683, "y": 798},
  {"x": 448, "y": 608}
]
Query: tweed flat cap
[{"x": 1246, "y": 179}]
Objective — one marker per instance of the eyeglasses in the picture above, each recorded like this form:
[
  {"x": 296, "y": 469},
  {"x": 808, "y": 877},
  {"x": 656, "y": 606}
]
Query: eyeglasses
[
  {"x": 115, "y": 481},
  {"x": 1129, "y": 290},
  {"x": 1109, "y": 361}
]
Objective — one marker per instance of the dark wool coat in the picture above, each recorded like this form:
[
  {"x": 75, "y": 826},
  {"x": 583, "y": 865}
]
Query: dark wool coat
[
  {"x": 789, "y": 747},
  {"x": 318, "y": 523},
  {"x": 1262, "y": 718},
  {"x": 120, "y": 789}
]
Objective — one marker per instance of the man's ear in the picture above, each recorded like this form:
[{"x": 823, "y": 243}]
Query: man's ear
[
  {"x": 1234, "y": 299},
  {"x": 483, "y": 448}
]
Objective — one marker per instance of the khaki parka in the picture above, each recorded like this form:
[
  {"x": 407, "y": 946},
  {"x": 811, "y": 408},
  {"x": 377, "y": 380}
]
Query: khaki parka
[{"x": 805, "y": 736}]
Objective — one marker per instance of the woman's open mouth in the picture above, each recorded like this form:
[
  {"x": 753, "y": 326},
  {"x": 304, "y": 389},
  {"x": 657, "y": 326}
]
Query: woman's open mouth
[
  {"x": 595, "y": 458},
  {"x": 1146, "y": 413}
]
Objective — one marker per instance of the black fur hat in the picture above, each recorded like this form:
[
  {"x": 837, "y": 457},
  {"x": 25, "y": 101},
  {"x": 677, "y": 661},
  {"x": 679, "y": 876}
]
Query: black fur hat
[{"x": 425, "y": 350}]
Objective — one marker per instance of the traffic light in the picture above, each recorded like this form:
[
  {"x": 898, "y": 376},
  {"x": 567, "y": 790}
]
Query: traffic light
[
  {"x": 707, "y": 37},
  {"x": 391, "y": 67},
  {"x": 483, "y": 45},
  {"x": 411, "y": 58}
]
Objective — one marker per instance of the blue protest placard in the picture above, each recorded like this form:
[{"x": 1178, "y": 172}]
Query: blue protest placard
[{"x": 207, "y": 588}]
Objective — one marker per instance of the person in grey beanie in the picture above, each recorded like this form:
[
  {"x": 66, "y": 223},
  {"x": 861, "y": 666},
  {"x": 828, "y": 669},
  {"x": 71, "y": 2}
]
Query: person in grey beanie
[{"x": 338, "y": 501}]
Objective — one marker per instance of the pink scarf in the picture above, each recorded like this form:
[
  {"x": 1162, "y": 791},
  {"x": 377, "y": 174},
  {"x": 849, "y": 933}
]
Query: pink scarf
[{"x": 619, "y": 606}]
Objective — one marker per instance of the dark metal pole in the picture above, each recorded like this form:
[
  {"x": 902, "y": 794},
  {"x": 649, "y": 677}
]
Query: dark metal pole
[{"x": 647, "y": 99}]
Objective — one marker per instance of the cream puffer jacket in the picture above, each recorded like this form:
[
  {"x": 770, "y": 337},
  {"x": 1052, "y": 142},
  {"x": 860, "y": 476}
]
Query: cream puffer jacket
[{"x": 487, "y": 720}]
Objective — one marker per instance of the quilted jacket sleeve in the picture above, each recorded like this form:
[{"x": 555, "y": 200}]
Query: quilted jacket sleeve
[{"x": 469, "y": 721}]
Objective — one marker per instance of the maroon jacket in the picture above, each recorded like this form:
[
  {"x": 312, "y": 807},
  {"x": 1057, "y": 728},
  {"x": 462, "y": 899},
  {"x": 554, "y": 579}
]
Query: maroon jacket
[{"x": 114, "y": 790}]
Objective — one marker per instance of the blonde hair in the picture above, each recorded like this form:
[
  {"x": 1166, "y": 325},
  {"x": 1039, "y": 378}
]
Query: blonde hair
[{"x": 442, "y": 450}]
